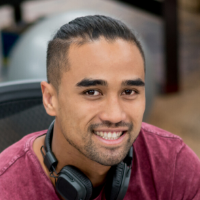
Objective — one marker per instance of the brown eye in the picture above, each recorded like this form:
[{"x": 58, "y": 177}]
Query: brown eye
[
  {"x": 128, "y": 92},
  {"x": 92, "y": 93}
]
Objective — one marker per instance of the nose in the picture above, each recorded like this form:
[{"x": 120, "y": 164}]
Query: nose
[{"x": 113, "y": 111}]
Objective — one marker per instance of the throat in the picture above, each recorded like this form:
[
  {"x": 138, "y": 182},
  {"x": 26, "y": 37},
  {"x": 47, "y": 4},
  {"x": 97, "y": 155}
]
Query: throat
[{"x": 97, "y": 191}]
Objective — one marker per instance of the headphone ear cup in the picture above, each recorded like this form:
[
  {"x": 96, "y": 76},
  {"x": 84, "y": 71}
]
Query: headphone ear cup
[
  {"x": 82, "y": 178},
  {"x": 114, "y": 181}
]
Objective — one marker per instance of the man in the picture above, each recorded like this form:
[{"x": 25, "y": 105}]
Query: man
[{"x": 96, "y": 91}]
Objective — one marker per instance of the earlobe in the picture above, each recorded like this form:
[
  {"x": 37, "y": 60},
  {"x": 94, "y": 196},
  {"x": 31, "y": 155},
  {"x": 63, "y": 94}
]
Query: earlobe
[{"x": 49, "y": 96}]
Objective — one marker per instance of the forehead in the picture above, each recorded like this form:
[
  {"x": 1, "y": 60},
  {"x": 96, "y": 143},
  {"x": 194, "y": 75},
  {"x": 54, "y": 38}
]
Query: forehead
[{"x": 104, "y": 59}]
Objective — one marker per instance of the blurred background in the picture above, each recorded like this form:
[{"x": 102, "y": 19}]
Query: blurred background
[{"x": 168, "y": 29}]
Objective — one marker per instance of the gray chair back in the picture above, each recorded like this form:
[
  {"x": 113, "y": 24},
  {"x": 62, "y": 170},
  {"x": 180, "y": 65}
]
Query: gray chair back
[{"x": 21, "y": 111}]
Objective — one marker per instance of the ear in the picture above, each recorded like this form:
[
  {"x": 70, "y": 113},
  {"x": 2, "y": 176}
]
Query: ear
[{"x": 49, "y": 98}]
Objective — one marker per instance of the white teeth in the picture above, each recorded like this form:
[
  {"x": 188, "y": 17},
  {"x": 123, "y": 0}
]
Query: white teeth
[{"x": 109, "y": 135}]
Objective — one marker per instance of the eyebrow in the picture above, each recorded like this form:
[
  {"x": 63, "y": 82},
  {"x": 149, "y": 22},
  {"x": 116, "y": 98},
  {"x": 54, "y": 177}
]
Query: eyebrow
[
  {"x": 94, "y": 82},
  {"x": 91, "y": 82},
  {"x": 136, "y": 82}
]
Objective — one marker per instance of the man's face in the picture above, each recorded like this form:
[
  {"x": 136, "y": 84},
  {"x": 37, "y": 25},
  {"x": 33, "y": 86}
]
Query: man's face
[{"x": 101, "y": 99}]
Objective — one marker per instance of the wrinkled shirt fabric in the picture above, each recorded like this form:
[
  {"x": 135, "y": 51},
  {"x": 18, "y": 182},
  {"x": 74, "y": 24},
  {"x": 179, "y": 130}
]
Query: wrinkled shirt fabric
[{"x": 163, "y": 168}]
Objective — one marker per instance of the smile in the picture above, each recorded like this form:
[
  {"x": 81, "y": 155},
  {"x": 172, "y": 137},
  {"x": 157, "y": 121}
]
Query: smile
[{"x": 109, "y": 135}]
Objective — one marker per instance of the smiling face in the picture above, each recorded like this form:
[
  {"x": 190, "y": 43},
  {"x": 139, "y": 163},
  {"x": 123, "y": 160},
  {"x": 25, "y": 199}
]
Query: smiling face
[{"x": 101, "y": 99}]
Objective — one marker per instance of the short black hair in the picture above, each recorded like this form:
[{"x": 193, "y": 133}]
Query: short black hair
[{"x": 80, "y": 31}]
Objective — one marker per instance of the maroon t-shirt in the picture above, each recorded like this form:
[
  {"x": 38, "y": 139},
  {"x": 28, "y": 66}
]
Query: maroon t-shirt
[{"x": 164, "y": 168}]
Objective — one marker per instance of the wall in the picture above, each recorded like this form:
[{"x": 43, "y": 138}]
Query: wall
[{"x": 190, "y": 5}]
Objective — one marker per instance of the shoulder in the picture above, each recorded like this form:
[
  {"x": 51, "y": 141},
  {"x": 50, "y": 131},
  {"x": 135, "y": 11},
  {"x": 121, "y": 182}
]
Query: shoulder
[
  {"x": 159, "y": 138},
  {"x": 163, "y": 143},
  {"x": 172, "y": 163},
  {"x": 18, "y": 165},
  {"x": 158, "y": 132},
  {"x": 10, "y": 156},
  {"x": 156, "y": 145}
]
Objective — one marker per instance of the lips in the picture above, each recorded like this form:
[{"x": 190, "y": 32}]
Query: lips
[{"x": 109, "y": 135}]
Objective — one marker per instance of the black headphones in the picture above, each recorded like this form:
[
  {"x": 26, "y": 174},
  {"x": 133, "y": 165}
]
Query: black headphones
[{"x": 72, "y": 184}]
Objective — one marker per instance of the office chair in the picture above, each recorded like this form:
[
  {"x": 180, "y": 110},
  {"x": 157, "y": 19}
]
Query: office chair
[{"x": 21, "y": 111}]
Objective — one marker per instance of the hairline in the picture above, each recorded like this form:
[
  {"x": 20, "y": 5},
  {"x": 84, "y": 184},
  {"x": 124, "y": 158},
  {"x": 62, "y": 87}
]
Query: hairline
[{"x": 80, "y": 41}]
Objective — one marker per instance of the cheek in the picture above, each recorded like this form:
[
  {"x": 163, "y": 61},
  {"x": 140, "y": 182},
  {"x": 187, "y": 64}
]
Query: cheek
[
  {"x": 140, "y": 108},
  {"x": 78, "y": 112},
  {"x": 135, "y": 110},
  {"x": 139, "y": 112}
]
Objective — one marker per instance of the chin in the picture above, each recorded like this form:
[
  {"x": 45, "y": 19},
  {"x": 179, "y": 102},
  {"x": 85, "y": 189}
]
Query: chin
[
  {"x": 111, "y": 162},
  {"x": 113, "y": 158}
]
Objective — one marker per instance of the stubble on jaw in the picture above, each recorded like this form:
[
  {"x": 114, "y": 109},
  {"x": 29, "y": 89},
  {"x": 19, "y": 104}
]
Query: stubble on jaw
[{"x": 89, "y": 150}]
